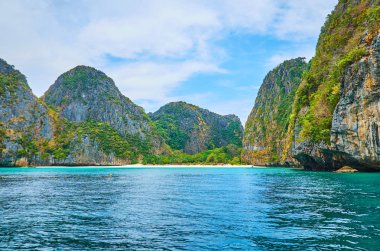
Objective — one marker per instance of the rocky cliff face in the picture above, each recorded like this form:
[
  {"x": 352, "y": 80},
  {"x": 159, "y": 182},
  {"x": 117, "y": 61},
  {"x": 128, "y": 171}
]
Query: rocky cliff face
[
  {"x": 105, "y": 126},
  {"x": 83, "y": 119},
  {"x": 355, "y": 125},
  {"x": 267, "y": 124},
  {"x": 335, "y": 119},
  {"x": 25, "y": 125},
  {"x": 192, "y": 129},
  {"x": 84, "y": 94},
  {"x": 336, "y": 112},
  {"x": 356, "y": 119},
  {"x": 88, "y": 122}
]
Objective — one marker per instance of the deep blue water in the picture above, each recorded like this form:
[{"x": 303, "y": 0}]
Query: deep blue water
[{"x": 188, "y": 209}]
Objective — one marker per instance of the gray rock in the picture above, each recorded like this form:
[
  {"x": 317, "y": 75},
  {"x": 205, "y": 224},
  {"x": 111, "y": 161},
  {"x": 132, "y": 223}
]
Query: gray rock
[
  {"x": 267, "y": 125},
  {"x": 85, "y": 93},
  {"x": 355, "y": 126},
  {"x": 23, "y": 119}
]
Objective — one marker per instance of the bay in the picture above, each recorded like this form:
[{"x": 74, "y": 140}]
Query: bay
[{"x": 105, "y": 208}]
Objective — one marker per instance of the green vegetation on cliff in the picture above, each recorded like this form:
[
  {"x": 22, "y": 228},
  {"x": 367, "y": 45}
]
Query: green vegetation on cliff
[
  {"x": 10, "y": 79},
  {"x": 330, "y": 117},
  {"x": 192, "y": 129},
  {"x": 127, "y": 148},
  {"x": 93, "y": 106},
  {"x": 84, "y": 93},
  {"x": 340, "y": 44},
  {"x": 25, "y": 126},
  {"x": 87, "y": 121},
  {"x": 267, "y": 124}
]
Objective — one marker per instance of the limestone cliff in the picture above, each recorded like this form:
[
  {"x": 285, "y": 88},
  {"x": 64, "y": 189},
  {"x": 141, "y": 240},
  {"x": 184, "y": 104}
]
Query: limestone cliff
[
  {"x": 354, "y": 137},
  {"x": 335, "y": 115},
  {"x": 192, "y": 129},
  {"x": 101, "y": 125},
  {"x": 86, "y": 94},
  {"x": 25, "y": 125},
  {"x": 356, "y": 119},
  {"x": 267, "y": 124},
  {"x": 87, "y": 122}
]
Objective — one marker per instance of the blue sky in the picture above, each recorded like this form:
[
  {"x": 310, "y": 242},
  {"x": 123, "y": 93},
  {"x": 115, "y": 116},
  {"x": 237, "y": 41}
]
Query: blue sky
[{"x": 212, "y": 53}]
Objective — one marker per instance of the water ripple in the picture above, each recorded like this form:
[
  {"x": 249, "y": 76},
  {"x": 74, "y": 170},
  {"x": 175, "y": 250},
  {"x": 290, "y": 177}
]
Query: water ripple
[{"x": 188, "y": 209}]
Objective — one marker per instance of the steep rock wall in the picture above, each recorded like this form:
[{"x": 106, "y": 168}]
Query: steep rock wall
[
  {"x": 267, "y": 124},
  {"x": 25, "y": 125},
  {"x": 335, "y": 113}
]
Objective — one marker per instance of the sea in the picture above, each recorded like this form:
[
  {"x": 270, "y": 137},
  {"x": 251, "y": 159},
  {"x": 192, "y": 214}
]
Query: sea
[{"x": 158, "y": 208}]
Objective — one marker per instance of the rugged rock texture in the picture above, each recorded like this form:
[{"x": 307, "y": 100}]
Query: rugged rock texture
[
  {"x": 25, "y": 125},
  {"x": 192, "y": 129},
  {"x": 88, "y": 122},
  {"x": 335, "y": 115},
  {"x": 84, "y": 94},
  {"x": 356, "y": 121},
  {"x": 267, "y": 124},
  {"x": 85, "y": 150},
  {"x": 116, "y": 131}
]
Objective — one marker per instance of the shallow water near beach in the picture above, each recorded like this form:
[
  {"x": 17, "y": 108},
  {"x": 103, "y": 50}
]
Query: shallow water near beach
[{"x": 188, "y": 209}]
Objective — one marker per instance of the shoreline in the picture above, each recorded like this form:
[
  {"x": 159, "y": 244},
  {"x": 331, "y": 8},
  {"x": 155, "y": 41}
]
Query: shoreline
[{"x": 141, "y": 166}]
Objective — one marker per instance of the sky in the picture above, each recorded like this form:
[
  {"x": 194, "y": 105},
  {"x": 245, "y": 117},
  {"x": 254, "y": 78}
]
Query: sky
[{"x": 211, "y": 53}]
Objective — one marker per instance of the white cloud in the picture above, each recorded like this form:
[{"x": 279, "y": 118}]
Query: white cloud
[
  {"x": 299, "y": 19},
  {"x": 253, "y": 16},
  {"x": 161, "y": 29},
  {"x": 168, "y": 41},
  {"x": 147, "y": 79}
]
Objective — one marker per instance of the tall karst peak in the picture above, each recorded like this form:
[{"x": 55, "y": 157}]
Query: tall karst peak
[{"x": 267, "y": 124}]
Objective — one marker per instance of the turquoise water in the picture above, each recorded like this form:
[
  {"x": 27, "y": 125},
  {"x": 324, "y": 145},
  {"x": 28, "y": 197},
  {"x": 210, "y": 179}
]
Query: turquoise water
[{"x": 188, "y": 209}]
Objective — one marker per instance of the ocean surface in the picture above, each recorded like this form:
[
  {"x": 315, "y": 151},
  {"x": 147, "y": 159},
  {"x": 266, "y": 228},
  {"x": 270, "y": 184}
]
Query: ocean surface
[{"x": 188, "y": 209}]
